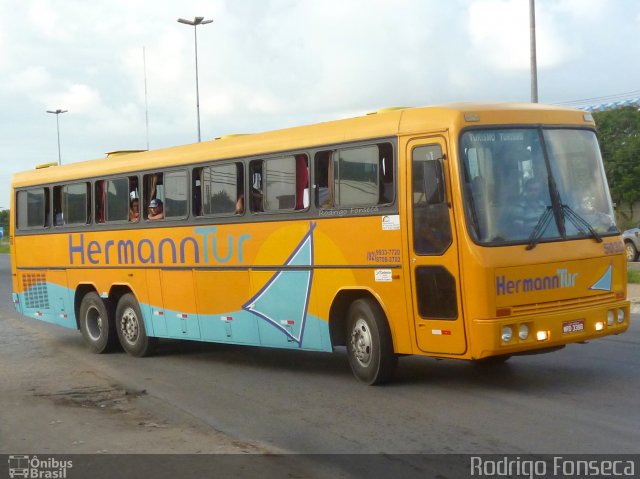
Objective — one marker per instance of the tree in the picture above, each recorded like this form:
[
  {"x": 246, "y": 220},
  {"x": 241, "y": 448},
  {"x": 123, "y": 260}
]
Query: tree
[
  {"x": 4, "y": 222},
  {"x": 619, "y": 134}
]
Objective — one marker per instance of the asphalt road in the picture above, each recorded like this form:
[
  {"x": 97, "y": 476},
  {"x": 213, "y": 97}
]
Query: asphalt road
[{"x": 582, "y": 399}]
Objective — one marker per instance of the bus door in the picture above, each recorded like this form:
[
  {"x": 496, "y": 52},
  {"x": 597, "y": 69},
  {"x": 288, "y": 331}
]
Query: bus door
[{"x": 435, "y": 282}]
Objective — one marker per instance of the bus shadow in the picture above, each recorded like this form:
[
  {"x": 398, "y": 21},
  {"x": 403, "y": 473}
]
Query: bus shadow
[
  {"x": 242, "y": 356},
  {"x": 527, "y": 374}
]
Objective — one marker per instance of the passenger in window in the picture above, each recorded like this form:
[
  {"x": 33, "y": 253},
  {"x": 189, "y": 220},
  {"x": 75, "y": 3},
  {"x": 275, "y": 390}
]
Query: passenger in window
[
  {"x": 156, "y": 210},
  {"x": 134, "y": 210},
  {"x": 240, "y": 205}
]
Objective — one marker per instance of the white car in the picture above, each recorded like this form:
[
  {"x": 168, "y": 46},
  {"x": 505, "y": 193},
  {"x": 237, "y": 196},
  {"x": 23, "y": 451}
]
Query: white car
[{"x": 631, "y": 243}]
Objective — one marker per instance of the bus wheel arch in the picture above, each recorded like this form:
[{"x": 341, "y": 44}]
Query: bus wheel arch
[{"x": 95, "y": 320}]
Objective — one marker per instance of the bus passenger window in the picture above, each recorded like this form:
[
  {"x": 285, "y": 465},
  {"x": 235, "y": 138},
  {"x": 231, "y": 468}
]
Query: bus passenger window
[
  {"x": 361, "y": 176},
  {"x": 33, "y": 208},
  {"x": 175, "y": 194},
  {"x": 221, "y": 188},
  {"x": 99, "y": 201},
  {"x": 153, "y": 189},
  {"x": 134, "y": 199},
  {"x": 256, "y": 195},
  {"x": 71, "y": 204},
  {"x": 279, "y": 184},
  {"x": 302, "y": 182},
  {"x": 386, "y": 173},
  {"x": 323, "y": 187}
]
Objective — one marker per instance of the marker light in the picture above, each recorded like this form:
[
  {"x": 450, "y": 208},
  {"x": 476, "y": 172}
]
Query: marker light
[
  {"x": 542, "y": 335},
  {"x": 620, "y": 315},
  {"x": 507, "y": 334},
  {"x": 611, "y": 317},
  {"x": 523, "y": 331},
  {"x": 599, "y": 326}
]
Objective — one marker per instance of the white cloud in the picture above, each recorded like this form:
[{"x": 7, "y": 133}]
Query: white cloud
[{"x": 500, "y": 32}]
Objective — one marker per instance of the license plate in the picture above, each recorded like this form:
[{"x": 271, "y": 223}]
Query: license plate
[{"x": 574, "y": 326}]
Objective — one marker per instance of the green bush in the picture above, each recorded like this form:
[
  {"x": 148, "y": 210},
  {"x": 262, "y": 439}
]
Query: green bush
[{"x": 633, "y": 276}]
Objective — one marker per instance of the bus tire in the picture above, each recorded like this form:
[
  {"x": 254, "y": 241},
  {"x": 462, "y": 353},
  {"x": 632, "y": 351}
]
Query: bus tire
[
  {"x": 96, "y": 326},
  {"x": 369, "y": 344},
  {"x": 130, "y": 327}
]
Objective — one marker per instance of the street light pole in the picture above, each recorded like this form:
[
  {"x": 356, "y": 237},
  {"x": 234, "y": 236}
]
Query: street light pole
[
  {"x": 532, "y": 42},
  {"x": 196, "y": 21},
  {"x": 57, "y": 114}
]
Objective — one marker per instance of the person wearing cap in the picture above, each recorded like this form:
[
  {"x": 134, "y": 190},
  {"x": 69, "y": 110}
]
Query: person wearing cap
[{"x": 156, "y": 212}]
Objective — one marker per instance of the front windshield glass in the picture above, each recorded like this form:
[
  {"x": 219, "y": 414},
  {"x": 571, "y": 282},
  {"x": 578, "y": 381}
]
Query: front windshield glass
[{"x": 511, "y": 197}]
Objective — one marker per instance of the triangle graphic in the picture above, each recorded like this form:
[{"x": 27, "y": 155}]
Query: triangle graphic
[
  {"x": 605, "y": 281},
  {"x": 283, "y": 302}
]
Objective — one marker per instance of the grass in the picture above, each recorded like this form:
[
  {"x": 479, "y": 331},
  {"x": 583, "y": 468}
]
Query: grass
[
  {"x": 633, "y": 276},
  {"x": 4, "y": 246}
]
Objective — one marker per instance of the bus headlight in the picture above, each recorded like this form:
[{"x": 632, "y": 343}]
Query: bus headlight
[
  {"x": 620, "y": 315},
  {"x": 611, "y": 317},
  {"x": 599, "y": 326},
  {"x": 523, "y": 331},
  {"x": 542, "y": 336},
  {"x": 507, "y": 334}
]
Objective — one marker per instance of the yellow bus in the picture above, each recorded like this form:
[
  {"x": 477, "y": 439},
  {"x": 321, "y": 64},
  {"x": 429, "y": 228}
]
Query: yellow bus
[{"x": 462, "y": 231}]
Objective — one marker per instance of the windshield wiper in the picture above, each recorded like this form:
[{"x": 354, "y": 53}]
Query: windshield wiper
[
  {"x": 556, "y": 210},
  {"x": 568, "y": 213},
  {"x": 577, "y": 221},
  {"x": 540, "y": 227}
]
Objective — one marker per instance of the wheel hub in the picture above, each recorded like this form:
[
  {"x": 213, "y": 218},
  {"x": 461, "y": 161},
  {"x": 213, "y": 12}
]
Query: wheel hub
[
  {"x": 94, "y": 323},
  {"x": 129, "y": 325},
  {"x": 361, "y": 342}
]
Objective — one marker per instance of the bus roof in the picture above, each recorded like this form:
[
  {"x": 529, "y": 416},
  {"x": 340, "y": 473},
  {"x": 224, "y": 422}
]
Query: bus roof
[{"x": 384, "y": 123}]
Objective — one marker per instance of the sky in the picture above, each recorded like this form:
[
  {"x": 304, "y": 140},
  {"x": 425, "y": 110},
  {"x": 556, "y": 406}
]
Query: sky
[{"x": 271, "y": 64}]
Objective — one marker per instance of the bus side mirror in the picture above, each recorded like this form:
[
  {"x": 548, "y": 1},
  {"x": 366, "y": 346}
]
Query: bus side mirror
[{"x": 433, "y": 177}]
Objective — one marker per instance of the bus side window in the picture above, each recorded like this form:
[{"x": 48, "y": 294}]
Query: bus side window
[
  {"x": 196, "y": 192},
  {"x": 285, "y": 179},
  {"x": 153, "y": 189},
  {"x": 386, "y": 173},
  {"x": 175, "y": 194},
  {"x": 302, "y": 182},
  {"x": 256, "y": 191},
  {"x": 359, "y": 176},
  {"x": 222, "y": 189},
  {"x": 71, "y": 204},
  {"x": 58, "y": 216},
  {"x": 323, "y": 170},
  {"x": 100, "y": 201},
  {"x": 33, "y": 208}
]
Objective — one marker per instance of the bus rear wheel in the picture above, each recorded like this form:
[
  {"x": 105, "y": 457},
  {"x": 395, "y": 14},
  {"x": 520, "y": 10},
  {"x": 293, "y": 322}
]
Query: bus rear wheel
[
  {"x": 130, "y": 327},
  {"x": 369, "y": 344},
  {"x": 97, "y": 328}
]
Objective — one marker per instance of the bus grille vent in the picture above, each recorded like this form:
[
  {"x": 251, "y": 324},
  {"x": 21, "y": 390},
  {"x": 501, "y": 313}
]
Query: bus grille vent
[
  {"x": 553, "y": 306},
  {"x": 35, "y": 290}
]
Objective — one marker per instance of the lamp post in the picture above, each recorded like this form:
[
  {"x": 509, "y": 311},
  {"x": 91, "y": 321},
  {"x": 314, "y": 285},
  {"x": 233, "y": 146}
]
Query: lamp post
[
  {"x": 532, "y": 44},
  {"x": 196, "y": 21},
  {"x": 57, "y": 114}
]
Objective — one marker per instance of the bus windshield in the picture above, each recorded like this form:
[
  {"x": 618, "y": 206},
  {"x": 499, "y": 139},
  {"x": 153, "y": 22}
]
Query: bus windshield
[{"x": 530, "y": 185}]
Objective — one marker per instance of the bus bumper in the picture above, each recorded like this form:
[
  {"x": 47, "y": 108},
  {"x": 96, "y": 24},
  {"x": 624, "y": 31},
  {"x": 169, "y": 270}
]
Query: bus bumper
[{"x": 550, "y": 330}]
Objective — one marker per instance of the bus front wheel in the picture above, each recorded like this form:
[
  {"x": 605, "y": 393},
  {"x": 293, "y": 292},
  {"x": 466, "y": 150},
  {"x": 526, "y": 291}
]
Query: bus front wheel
[
  {"x": 369, "y": 344},
  {"x": 130, "y": 326},
  {"x": 97, "y": 328}
]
